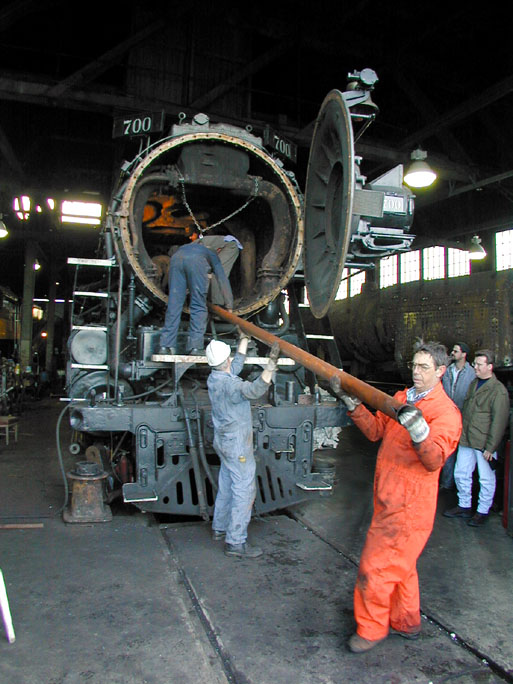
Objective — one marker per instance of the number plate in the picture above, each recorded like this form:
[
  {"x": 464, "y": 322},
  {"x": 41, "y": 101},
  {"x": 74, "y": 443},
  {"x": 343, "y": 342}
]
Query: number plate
[
  {"x": 279, "y": 144},
  {"x": 394, "y": 204},
  {"x": 134, "y": 125}
]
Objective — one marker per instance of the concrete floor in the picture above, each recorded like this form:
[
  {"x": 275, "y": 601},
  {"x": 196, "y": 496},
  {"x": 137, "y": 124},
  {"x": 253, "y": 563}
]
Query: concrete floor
[{"x": 135, "y": 601}]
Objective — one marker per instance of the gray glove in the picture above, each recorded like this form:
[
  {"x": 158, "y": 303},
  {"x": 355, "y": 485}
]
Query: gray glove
[
  {"x": 273, "y": 357},
  {"x": 244, "y": 339},
  {"x": 272, "y": 363},
  {"x": 349, "y": 401},
  {"x": 412, "y": 419}
]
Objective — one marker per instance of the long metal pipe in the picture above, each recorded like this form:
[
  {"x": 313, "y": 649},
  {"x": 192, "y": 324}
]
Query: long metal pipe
[{"x": 353, "y": 386}]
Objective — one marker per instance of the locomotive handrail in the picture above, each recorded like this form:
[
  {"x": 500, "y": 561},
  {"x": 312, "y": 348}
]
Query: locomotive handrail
[{"x": 370, "y": 395}]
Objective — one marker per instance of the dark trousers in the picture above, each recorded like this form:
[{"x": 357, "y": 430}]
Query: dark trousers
[{"x": 184, "y": 275}]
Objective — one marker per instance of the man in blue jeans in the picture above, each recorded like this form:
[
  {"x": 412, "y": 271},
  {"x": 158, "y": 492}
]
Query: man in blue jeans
[
  {"x": 233, "y": 441},
  {"x": 456, "y": 381},
  {"x": 189, "y": 269},
  {"x": 485, "y": 417}
]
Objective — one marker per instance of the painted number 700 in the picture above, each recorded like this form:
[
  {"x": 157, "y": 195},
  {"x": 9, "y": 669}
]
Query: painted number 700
[{"x": 137, "y": 126}]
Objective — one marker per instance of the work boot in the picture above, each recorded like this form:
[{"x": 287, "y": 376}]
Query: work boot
[
  {"x": 196, "y": 352},
  {"x": 217, "y": 535},
  {"x": 358, "y": 644},
  {"x": 478, "y": 520},
  {"x": 458, "y": 512},
  {"x": 242, "y": 550},
  {"x": 170, "y": 351},
  {"x": 412, "y": 636}
]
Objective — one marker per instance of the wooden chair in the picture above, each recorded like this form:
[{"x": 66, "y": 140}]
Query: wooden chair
[{"x": 9, "y": 424}]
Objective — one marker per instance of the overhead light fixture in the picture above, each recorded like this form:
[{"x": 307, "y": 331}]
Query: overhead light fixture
[
  {"x": 37, "y": 265},
  {"x": 3, "y": 228},
  {"x": 419, "y": 173},
  {"x": 476, "y": 250}
]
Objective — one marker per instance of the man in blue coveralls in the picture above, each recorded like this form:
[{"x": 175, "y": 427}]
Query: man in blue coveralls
[
  {"x": 189, "y": 269},
  {"x": 233, "y": 441}
]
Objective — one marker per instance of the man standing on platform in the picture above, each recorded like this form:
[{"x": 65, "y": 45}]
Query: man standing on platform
[
  {"x": 189, "y": 269},
  {"x": 412, "y": 451}
]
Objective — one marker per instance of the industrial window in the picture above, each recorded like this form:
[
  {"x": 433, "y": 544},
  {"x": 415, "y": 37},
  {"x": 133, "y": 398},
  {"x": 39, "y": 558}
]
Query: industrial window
[
  {"x": 410, "y": 266},
  {"x": 458, "y": 263},
  {"x": 504, "y": 250},
  {"x": 81, "y": 212},
  {"x": 342, "y": 289},
  {"x": 388, "y": 271},
  {"x": 356, "y": 281},
  {"x": 433, "y": 263}
]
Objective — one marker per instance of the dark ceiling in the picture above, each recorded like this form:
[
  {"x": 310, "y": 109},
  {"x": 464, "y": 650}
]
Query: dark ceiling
[{"x": 66, "y": 71}]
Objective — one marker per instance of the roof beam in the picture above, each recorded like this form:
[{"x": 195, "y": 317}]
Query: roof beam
[
  {"x": 10, "y": 157},
  {"x": 424, "y": 105},
  {"x": 100, "y": 65},
  {"x": 251, "y": 68},
  {"x": 463, "y": 111}
]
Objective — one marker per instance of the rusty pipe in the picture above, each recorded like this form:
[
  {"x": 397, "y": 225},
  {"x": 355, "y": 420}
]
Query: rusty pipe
[{"x": 353, "y": 386}]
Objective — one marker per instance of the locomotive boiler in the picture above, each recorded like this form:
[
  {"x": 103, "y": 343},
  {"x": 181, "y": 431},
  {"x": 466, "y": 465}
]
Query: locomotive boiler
[{"x": 146, "y": 420}]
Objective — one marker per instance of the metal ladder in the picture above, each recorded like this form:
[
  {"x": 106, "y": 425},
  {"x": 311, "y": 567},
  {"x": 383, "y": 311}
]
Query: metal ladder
[{"x": 83, "y": 294}]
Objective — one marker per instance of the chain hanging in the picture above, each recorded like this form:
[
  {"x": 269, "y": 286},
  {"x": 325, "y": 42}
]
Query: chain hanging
[{"x": 201, "y": 230}]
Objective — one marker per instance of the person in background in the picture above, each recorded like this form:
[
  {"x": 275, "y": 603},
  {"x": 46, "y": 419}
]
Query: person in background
[
  {"x": 189, "y": 269},
  {"x": 485, "y": 417},
  {"x": 456, "y": 381},
  {"x": 413, "y": 449},
  {"x": 227, "y": 248},
  {"x": 233, "y": 441}
]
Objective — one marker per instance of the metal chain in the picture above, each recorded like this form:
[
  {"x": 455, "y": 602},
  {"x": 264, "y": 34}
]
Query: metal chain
[{"x": 181, "y": 180}]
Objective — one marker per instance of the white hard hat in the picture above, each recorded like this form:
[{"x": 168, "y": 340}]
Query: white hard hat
[{"x": 217, "y": 352}]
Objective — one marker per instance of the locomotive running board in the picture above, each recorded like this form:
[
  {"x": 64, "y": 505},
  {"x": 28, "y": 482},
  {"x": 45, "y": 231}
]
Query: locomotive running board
[
  {"x": 188, "y": 358},
  {"x": 314, "y": 482},
  {"x": 132, "y": 493}
]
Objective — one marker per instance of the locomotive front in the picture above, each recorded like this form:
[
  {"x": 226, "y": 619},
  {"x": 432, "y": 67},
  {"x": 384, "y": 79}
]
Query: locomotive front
[{"x": 147, "y": 422}]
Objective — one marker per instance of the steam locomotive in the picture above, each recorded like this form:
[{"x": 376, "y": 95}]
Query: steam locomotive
[{"x": 146, "y": 421}]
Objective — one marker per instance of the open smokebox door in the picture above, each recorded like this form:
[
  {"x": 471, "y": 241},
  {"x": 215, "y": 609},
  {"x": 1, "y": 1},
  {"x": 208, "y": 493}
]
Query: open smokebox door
[{"x": 348, "y": 222}]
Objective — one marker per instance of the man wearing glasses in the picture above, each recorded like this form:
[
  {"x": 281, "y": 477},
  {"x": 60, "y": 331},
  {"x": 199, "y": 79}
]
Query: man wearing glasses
[
  {"x": 413, "y": 449},
  {"x": 485, "y": 417}
]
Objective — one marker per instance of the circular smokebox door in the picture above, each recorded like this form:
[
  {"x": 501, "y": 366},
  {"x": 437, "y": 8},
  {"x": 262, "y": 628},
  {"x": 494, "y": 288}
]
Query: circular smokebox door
[{"x": 328, "y": 202}]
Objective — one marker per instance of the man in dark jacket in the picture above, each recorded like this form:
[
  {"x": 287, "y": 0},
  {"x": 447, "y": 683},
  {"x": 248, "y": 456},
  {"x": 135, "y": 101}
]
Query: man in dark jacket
[
  {"x": 485, "y": 416},
  {"x": 189, "y": 269},
  {"x": 456, "y": 381}
]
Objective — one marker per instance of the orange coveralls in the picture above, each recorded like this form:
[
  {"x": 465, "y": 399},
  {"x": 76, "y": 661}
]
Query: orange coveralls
[{"x": 405, "y": 494}]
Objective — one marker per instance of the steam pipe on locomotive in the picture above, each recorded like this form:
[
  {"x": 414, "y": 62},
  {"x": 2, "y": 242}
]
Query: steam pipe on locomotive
[{"x": 223, "y": 179}]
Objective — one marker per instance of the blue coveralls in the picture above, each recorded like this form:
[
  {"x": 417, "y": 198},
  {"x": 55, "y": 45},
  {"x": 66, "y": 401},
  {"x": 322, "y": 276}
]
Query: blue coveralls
[
  {"x": 233, "y": 441},
  {"x": 188, "y": 270}
]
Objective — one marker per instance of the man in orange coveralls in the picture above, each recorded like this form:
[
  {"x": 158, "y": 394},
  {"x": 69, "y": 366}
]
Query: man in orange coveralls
[{"x": 386, "y": 595}]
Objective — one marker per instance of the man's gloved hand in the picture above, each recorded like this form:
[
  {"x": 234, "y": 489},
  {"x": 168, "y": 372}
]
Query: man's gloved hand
[
  {"x": 349, "y": 401},
  {"x": 244, "y": 339},
  {"x": 273, "y": 357},
  {"x": 412, "y": 419},
  {"x": 272, "y": 363}
]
